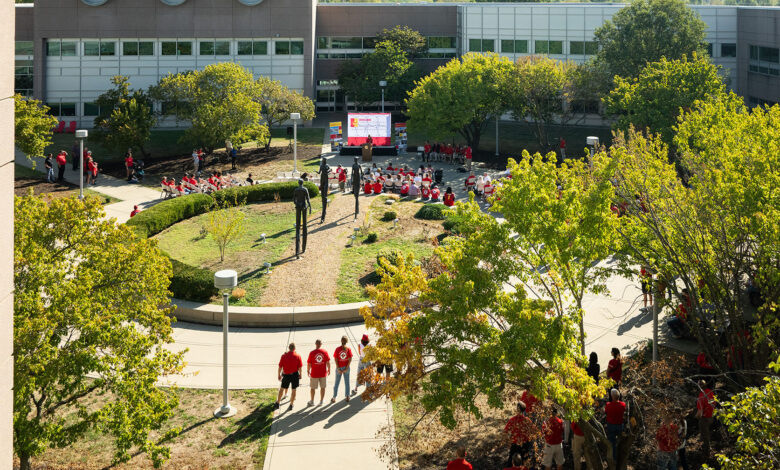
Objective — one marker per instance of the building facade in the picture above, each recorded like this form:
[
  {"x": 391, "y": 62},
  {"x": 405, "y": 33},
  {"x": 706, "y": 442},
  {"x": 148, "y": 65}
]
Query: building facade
[{"x": 67, "y": 50}]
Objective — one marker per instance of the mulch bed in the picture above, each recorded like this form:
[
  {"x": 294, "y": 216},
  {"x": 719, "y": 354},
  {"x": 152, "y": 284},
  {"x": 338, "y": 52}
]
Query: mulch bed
[{"x": 22, "y": 187}]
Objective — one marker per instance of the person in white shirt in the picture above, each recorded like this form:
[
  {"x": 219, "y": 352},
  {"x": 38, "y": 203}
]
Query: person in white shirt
[
  {"x": 195, "y": 160},
  {"x": 480, "y": 184},
  {"x": 362, "y": 363}
]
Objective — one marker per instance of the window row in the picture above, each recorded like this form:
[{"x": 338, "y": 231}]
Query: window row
[
  {"x": 23, "y": 77},
  {"x": 765, "y": 60},
  {"x": 358, "y": 55},
  {"x": 369, "y": 42},
  {"x": 520, "y": 46},
  {"x": 60, "y": 48}
]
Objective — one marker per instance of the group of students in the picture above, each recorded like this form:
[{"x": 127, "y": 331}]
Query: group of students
[
  {"x": 90, "y": 166},
  {"x": 191, "y": 184},
  {"x": 447, "y": 153},
  {"x": 484, "y": 185}
]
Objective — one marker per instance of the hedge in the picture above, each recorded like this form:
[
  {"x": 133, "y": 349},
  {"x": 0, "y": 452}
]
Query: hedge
[
  {"x": 431, "y": 212},
  {"x": 190, "y": 282}
]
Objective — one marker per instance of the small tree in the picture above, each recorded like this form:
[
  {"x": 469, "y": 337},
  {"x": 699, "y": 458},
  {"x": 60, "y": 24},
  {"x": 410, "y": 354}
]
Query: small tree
[
  {"x": 126, "y": 118},
  {"x": 278, "y": 102},
  {"x": 225, "y": 226},
  {"x": 459, "y": 97},
  {"x": 410, "y": 41},
  {"x": 87, "y": 300},
  {"x": 33, "y": 126}
]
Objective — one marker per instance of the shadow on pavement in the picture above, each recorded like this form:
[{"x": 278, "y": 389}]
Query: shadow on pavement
[
  {"x": 252, "y": 426},
  {"x": 635, "y": 321},
  {"x": 296, "y": 420}
]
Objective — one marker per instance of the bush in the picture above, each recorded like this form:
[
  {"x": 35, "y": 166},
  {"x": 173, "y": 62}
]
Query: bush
[
  {"x": 431, "y": 212},
  {"x": 192, "y": 283},
  {"x": 392, "y": 256},
  {"x": 389, "y": 216},
  {"x": 371, "y": 237}
]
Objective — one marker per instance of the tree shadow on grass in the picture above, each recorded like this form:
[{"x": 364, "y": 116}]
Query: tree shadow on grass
[{"x": 252, "y": 427}]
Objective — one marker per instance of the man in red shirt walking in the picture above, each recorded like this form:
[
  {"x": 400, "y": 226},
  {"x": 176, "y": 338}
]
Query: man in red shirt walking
[
  {"x": 615, "y": 411},
  {"x": 460, "y": 462},
  {"x": 704, "y": 409},
  {"x": 668, "y": 441},
  {"x": 577, "y": 445},
  {"x": 520, "y": 431},
  {"x": 343, "y": 358},
  {"x": 318, "y": 369},
  {"x": 290, "y": 366},
  {"x": 62, "y": 159},
  {"x": 553, "y": 441}
]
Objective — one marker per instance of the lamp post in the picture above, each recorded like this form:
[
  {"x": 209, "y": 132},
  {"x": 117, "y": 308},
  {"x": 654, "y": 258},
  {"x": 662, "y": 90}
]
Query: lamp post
[
  {"x": 497, "y": 116},
  {"x": 225, "y": 280},
  {"x": 295, "y": 117},
  {"x": 592, "y": 142},
  {"x": 382, "y": 85},
  {"x": 81, "y": 134}
]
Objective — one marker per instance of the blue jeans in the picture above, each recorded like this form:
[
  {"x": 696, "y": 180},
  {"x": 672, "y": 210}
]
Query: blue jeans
[
  {"x": 667, "y": 460},
  {"x": 50, "y": 175},
  {"x": 613, "y": 431},
  {"x": 338, "y": 381}
]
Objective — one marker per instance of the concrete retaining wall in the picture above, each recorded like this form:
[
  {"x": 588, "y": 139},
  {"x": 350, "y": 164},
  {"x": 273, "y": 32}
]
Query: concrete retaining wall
[{"x": 211, "y": 314}]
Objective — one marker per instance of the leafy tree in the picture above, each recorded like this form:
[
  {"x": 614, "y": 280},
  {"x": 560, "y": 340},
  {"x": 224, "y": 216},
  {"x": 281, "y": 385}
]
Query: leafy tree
[
  {"x": 278, "y": 102},
  {"x": 221, "y": 102},
  {"x": 647, "y": 30},
  {"x": 87, "y": 297},
  {"x": 752, "y": 416},
  {"x": 33, "y": 126},
  {"x": 126, "y": 118},
  {"x": 663, "y": 89},
  {"x": 410, "y": 41},
  {"x": 360, "y": 79},
  {"x": 459, "y": 97},
  {"x": 225, "y": 226},
  {"x": 715, "y": 235}
]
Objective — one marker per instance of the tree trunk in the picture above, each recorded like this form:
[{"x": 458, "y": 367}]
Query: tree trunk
[
  {"x": 268, "y": 142},
  {"x": 24, "y": 462}
]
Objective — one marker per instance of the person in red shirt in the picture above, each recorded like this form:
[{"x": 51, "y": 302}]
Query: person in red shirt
[
  {"x": 426, "y": 193},
  {"x": 427, "y": 151},
  {"x": 342, "y": 177},
  {"x": 704, "y": 409},
  {"x": 517, "y": 463},
  {"x": 435, "y": 193},
  {"x": 129, "y": 164},
  {"x": 615, "y": 411},
  {"x": 577, "y": 445},
  {"x": 289, "y": 373},
  {"x": 467, "y": 152},
  {"x": 562, "y": 145},
  {"x": 460, "y": 462},
  {"x": 92, "y": 170},
  {"x": 135, "y": 211},
  {"x": 530, "y": 401},
  {"x": 520, "y": 431},
  {"x": 377, "y": 187},
  {"x": 470, "y": 181},
  {"x": 615, "y": 367},
  {"x": 449, "y": 197},
  {"x": 62, "y": 160},
  {"x": 318, "y": 369},
  {"x": 405, "y": 189},
  {"x": 367, "y": 187},
  {"x": 553, "y": 441},
  {"x": 704, "y": 365},
  {"x": 343, "y": 358},
  {"x": 668, "y": 441}
]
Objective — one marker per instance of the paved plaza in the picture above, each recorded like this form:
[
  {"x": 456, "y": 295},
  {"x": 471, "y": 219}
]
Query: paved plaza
[{"x": 328, "y": 436}]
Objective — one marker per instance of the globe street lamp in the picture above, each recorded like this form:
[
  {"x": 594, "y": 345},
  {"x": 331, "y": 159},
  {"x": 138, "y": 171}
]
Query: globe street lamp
[
  {"x": 592, "y": 142},
  {"x": 225, "y": 281},
  {"x": 382, "y": 85},
  {"x": 81, "y": 134},
  {"x": 295, "y": 117}
]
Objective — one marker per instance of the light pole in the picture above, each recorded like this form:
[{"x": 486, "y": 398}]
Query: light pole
[
  {"x": 592, "y": 142},
  {"x": 295, "y": 117},
  {"x": 225, "y": 281},
  {"x": 497, "y": 116},
  {"x": 382, "y": 85},
  {"x": 81, "y": 134}
]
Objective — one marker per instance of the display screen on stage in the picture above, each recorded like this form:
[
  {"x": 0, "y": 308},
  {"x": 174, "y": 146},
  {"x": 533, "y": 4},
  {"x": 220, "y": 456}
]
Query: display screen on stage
[{"x": 361, "y": 125}]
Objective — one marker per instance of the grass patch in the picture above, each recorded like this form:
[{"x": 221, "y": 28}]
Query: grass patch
[
  {"x": 237, "y": 442},
  {"x": 162, "y": 143},
  {"x": 185, "y": 242}
]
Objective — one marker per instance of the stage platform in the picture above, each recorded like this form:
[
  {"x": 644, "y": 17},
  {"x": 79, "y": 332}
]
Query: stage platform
[{"x": 378, "y": 151}]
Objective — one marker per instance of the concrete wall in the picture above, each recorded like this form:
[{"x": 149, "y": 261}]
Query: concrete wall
[
  {"x": 368, "y": 19},
  {"x": 6, "y": 230},
  {"x": 269, "y": 317},
  {"x": 757, "y": 27}
]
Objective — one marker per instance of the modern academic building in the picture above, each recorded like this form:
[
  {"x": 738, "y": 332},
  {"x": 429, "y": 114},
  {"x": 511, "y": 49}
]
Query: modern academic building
[{"x": 67, "y": 50}]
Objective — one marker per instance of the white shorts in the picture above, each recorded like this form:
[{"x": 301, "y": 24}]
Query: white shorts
[{"x": 552, "y": 453}]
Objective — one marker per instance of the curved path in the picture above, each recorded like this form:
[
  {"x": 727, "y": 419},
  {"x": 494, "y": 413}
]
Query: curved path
[{"x": 330, "y": 436}]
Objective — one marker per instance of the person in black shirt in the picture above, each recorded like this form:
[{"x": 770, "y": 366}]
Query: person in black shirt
[
  {"x": 249, "y": 179},
  {"x": 594, "y": 369},
  {"x": 49, "y": 169}
]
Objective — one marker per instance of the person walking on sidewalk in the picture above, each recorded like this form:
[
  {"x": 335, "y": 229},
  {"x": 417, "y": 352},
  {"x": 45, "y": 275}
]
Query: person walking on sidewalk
[
  {"x": 49, "y": 164},
  {"x": 362, "y": 362},
  {"x": 615, "y": 367},
  {"x": 289, "y": 373},
  {"x": 318, "y": 369},
  {"x": 577, "y": 445},
  {"x": 62, "y": 160},
  {"x": 342, "y": 356}
]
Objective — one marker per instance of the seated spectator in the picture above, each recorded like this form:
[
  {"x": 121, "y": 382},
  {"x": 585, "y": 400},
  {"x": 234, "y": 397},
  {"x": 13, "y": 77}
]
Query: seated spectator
[
  {"x": 425, "y": 192},
  {"x": 418, "y": 180},
  {"x": 405, "y": 188},
  {"x": 377, "y": 187},
  {"x": 414, "y": 190},
  {"x": 249, "y": 180},
  {"x": 480, "y": 186},
  {"x": 435, "y": 193},
  {"x": 426, "y": 180},
  {"x": 388, "y": 185},
  {"x": 367, "y": 187},
  {"x": 449, "y": 197},
  {"x": 135, "y": 211},
  {"x": 470, "y": 181},
  {"x": 488, "y": 190}
]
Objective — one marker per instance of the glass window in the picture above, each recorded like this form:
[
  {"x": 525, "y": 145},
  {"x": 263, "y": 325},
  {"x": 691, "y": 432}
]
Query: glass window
[
  {"x": 488, "y": 45},
  {"x": 244, "y": 48},
  {"x": 23, "y": 77},
  {"x": 337, "y": 56},
  {"x": 369, "y": 42},
  {"x": 556, "y": 47},
  {"x": 91, "y": 109},
  {"x": 475, "y": 45},
  {"x": 709, "y": 49},
  {"x": 753, "y": 52},
  {"x": 282, "y": 47},
  {"x": 769, "y": 54},
  {"x": 354, "y": 55},
  {"x": 222, "y": 47},
  {"x": 521, "y": 46},
  {"x": 169, "y": 48},
  {"x": 54, "y": 109},
  {"x": 184, "y": 48},
  {"x": 591, "y": 48},
  {"x": 354, "y": 42},
  {"x": 68, "y": 49},
  {"x": 53, "y": 49},
  {"x": 296, "y": 47},
  {"x": 107, "y": 48},
  {"x": 321, "y": 55},
  {"x": 441, "y": 42},
  {"x": 322, "y": 42},
  {"x": 508, "y": 46},
  {"x": 145, "y": 48},
  {"x": 541, "y": 47},
  {"x": 728, "y": 50},
  {"x": 260, "y": 47},
  {"x": 583, "y": 47},
  {"x": 67, "y": 109},
  {"x": 23, "y": 48},
  {"x": 91, "y": 48},
  {"x": 207, "y": 48},
  {"x": 129, "y": 48}
]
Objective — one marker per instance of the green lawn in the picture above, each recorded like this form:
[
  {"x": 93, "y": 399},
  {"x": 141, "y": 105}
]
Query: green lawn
[
  {"x": 185, "y": 242},
  {"x": 514, "y": 137}
]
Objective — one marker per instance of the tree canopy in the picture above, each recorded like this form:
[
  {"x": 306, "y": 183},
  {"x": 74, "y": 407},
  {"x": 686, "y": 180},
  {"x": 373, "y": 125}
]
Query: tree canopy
[
  {"x": 653, "y": 100},
  {"x": 278, "y": 102},
  {"x": 220, "y": 103},
  {"x": 459, "y": 97},
  {"x": 87, "y": 324},
  {"x": 125, "y": 118},
  {"x": 410, "y": 41},
  {"x": 647, "y": 30},
  {"x": 33, "y": 126}
]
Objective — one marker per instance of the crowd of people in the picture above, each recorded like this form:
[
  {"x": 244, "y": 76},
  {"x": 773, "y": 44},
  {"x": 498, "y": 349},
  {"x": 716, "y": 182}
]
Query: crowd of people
[
  {"x": 191, "y": 183},
  {"x": 90, "y": 167},
  {"x": 442, "y": 152},
  {"x": 485, "y": 185}
]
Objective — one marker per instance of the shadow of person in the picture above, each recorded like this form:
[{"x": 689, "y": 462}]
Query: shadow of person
[
  {"x": 348, "y": 410},
  {"x": 288, "y": 423},
  {"x": 251, "y": 427},
  {"x": 636, "y": 321}
]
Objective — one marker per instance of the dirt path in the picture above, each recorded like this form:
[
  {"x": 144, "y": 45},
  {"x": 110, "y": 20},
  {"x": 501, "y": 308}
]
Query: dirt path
[{"x": 312, "y": 279}]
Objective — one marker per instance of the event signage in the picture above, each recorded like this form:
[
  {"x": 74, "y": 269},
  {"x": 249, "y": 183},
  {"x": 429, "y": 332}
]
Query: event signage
[
  {"x": 400, "y": 136},
  {"x": 362, "y": 125},
  {"x": 335, "y": 135}
]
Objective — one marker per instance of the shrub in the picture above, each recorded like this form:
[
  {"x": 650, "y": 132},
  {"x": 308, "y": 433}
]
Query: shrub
[
  {"x": 389, "y": 216},
  {"x": 392, "y": 256},
  {"x": 238, "y": 293},
  {"x": 192, "y": 283},
  {"x": 371, "y": 237},
  {"x": 431, "y": 212}
]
